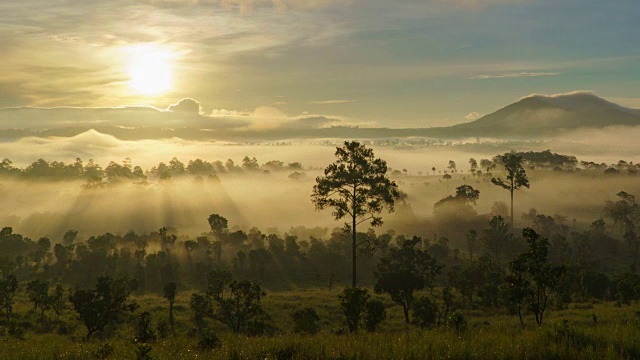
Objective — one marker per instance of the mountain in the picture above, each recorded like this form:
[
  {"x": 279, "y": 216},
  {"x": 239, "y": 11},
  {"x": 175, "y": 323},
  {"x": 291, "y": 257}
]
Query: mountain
[
  {"x": 539, "y": 116},
  {"x": 534, "y": 117}
]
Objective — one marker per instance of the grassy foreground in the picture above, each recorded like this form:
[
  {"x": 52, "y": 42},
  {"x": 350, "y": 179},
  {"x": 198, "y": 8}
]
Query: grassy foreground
[{"x": 566, "y": 334}]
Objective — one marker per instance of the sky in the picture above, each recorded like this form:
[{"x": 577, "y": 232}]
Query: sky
[{"x": 403, "y": 63}]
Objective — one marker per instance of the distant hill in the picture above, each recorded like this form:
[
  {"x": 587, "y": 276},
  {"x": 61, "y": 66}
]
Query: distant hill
[
  {"x": 534, "y": 117},
  {"x": 538, "y": 116}
]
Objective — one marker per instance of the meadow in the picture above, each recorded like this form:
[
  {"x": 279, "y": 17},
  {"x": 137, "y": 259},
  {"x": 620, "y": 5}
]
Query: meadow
[{"x": 570, "y": 333}]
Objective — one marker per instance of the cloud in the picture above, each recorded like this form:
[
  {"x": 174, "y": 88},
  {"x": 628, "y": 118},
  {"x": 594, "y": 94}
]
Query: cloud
[
  {"x": 514, "y": 75},
  {"x": 186, "y": 105},
  {"x": 184, "y": 115},
  {"x": 478, "y": 4},
  {"x": 331, "y": 102},
  {"x": 473, "y": 116},
  {"x": 246, "y": 5}
]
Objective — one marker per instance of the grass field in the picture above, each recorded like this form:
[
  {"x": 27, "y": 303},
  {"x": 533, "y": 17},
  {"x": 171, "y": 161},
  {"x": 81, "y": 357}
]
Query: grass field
[{"x": 570, "y": 333}]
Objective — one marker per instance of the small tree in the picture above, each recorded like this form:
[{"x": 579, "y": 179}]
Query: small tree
[
  {"x": 38, "y": 292},
  {"x": 403, "y": 271},
  {"x": 353, "y": 302},
  {"x": 544, "y": 276},
  {"x": 105, "y": 304},
  {"x": 218, "y": 225},
  {"x": 169, "y": 292},
  {"x": 357, "y": 186},
  {"x": 374, "y": 314},
  {"x": 305, "y": 320},
  {"x": 517, "y": 287},
  {"x": 8, "y": 288},
  {"x": 69, "y": 237},
  {"x": 233, "y": 303},
  {"x": 145, "y": 332},
  {"x": 425, "y": 312},
  {"x": 516, "y": 176},
  {"x": 58, "y": 301}
]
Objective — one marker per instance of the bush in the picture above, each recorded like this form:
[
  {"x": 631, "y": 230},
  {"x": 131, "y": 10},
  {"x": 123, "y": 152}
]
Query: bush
[
  {"x": 145, "y": 332},
  {"x": 374, "y": 314},
  {"x": 103, "y": 351},
  {"x": 353, "y": 301},
  {"x": 163, "y": 329},
  {"x": 458, "y": 322},
  {"x": 306, "y": 321},
  {"x": 142, "y": 352},
  {"x": 208, "y": 340},
  {"x": 425, "y": 312}
]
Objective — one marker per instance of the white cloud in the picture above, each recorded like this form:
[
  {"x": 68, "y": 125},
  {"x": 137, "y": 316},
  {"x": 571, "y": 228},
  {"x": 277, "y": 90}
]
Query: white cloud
[
  {"x": 331, "y": 102},
  {"x": 186, "y": 105},
  {"x": 514, "y": 75},
  {"x": 472, "y": 116}
]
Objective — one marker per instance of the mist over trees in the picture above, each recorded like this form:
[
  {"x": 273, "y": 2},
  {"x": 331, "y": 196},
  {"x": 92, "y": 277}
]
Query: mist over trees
[{"x": 528, "y": 267}]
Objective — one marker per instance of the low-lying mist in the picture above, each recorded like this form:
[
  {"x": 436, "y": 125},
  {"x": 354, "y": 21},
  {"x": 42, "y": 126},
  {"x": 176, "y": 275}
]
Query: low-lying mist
[{"x": 275, "y": 203}]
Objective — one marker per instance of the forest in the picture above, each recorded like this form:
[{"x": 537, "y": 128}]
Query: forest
[{"x": 501, "y": 280}]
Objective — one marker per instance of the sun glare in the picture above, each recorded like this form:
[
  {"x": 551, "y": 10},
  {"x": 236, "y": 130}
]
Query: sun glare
[{"x": 149, "y": 69}]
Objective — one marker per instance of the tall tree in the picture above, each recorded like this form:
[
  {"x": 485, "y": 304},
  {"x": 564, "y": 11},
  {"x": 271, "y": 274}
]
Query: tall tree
[
  {"x": 516, "y": 176},
  {"x": 355, "y": 185}
]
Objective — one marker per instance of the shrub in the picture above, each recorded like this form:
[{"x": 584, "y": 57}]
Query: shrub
[
  {"x": 145, "y": 332},
  {"x": 103, "y": 351},
  {"x": 208, "y": 340},
  {"x": 163, "y": 329},
  {"x": 374, "y": 314},
  {"x": 353, "y": 301},
  {"x": 425, "y": 312},
  {"x": 458, "y": 322},
  {"x": 306, "y": 321}
]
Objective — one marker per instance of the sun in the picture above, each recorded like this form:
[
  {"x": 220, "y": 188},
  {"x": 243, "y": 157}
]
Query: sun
[{"x": 150, "y": 69}]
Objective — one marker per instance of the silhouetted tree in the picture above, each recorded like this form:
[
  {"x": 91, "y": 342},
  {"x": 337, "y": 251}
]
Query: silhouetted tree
[
  {"x": 517, "y": 288},
  {"x": 169, "y": 293},
  {"x": 305, "y": 320},
  {"x": 38, "y": 292},
  {"x": 374, "y": 314},
  {"x": 105, "y": 304},
  {"x": 218, "y": 225},
  {"x": 403, "y": 271},
  {"x": 498, "y": 240},
  {"x": 353, "y": 302},
  {"x": 233, "y": 303},
  {"x": 58, "y": 301},
  {"x": 8, "y": 288},
  {"x": 355, "y": 185},
  {"x": 425, "y": 312},
  {"x": 544, "y": 277},
  {"x": 69, "y": 237},
  {"x": 145, "y": 332},
  {"x": 516, "y": 176}
]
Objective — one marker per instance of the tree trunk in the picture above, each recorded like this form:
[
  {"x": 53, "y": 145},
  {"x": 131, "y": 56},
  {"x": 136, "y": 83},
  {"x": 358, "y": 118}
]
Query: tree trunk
[
  {"x": 171, "y": 321},
  {"x": 511, "y": 208},
  {"x": 520, "y": 315},
  {"x": 353, "y": 255},
  {"x": 405, "y": 308}
]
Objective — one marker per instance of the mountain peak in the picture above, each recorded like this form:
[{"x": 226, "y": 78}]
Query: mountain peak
[
  {"x": 571, "y": 100},
  {"x": 541, "y": 115}
]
